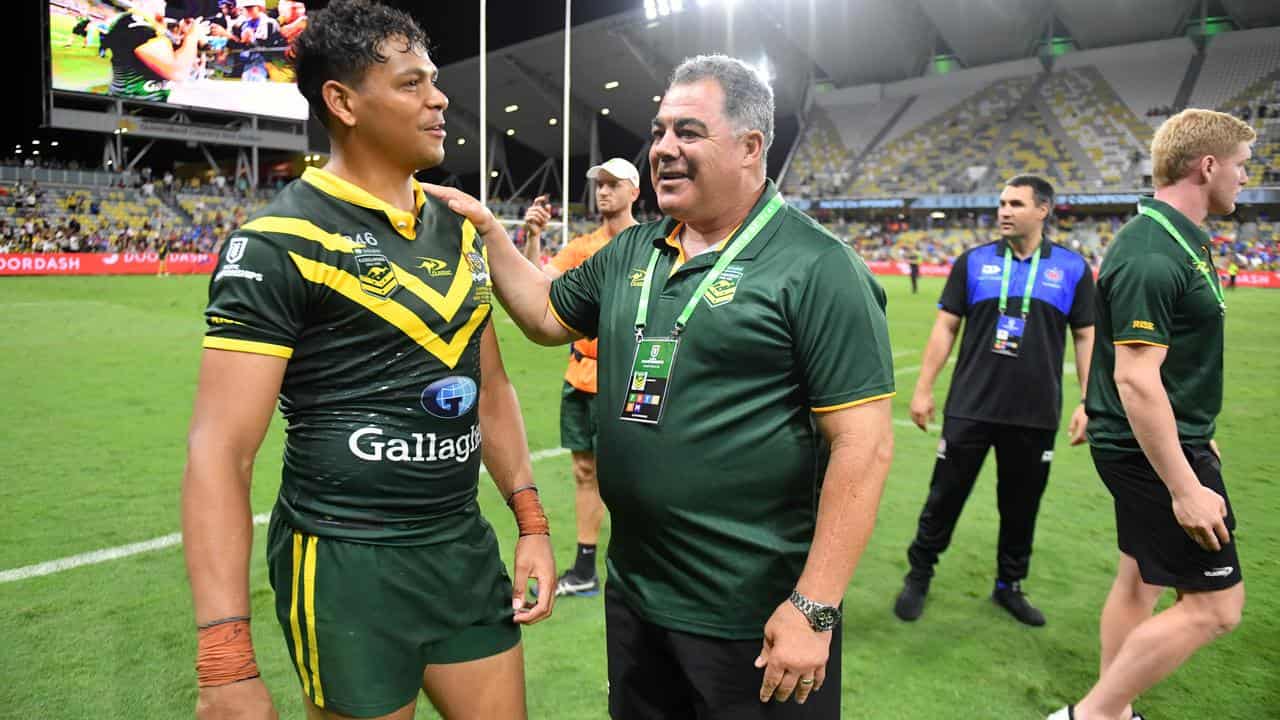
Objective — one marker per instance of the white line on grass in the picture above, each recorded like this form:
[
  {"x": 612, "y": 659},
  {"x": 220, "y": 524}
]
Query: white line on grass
[
  {"x": 160, "y": 543},
  {"x": 916, "y": 368}
]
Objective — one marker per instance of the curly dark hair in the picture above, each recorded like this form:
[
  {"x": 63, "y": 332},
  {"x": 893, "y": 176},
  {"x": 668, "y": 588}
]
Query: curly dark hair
[{"x": 343, "y": 40}]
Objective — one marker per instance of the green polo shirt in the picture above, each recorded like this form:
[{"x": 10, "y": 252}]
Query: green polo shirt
[
  {"x": 379, "y": 313},
  {"x": 1150, "y": 292},
  {"x": 714, "y": 508}
]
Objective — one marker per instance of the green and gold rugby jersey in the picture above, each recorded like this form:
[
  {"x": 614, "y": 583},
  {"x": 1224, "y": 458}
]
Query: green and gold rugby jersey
[
  {"x": 1151, "y": 292},
  {"x": 380, "y": 314},
  {"x": 714, "y": 508},
  {"x": 130, "y": 77}
]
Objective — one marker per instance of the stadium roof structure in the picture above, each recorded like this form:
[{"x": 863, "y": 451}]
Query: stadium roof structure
[
  {"x": 619, "y": 63},
  {"x": 843, "y": 42}
]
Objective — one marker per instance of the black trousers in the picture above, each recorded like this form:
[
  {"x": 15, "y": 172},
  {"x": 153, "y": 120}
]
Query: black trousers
[
  {"x": 661, "y": 674},
  {"x": 1023, "y": 456}
]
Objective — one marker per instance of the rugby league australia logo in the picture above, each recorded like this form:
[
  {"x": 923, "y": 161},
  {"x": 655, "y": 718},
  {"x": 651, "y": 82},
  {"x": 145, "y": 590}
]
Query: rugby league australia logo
[
  {"x": 725, "y": 287},
  {"x": 235, "y": 249},
  {"x": 449, "y": 398},
  {"x": 374, "y": 271}
]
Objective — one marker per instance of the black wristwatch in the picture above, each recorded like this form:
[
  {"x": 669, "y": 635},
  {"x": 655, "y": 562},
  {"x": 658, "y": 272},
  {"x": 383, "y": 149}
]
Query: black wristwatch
[{"x": 821, "y": 617}]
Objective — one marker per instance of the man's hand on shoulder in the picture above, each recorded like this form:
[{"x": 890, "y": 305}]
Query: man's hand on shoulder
[{"x": 466, "y": 206}]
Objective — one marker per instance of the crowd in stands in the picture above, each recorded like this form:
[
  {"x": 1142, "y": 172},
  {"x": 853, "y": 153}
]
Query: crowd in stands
[
  {"x": 1251, "y": 245},
  {"x": 39, "y": 219},
  {"x": 157, "y": 212}
]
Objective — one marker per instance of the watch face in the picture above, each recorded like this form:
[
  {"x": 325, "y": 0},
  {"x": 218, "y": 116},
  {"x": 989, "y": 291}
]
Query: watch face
[{"x": 826, "y": 617}]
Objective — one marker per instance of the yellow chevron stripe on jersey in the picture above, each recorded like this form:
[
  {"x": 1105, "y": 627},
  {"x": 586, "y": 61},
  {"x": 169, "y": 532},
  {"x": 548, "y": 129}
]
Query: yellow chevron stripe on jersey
[
  {"x": 448, "y": 352},
  {"x": 446, "y": 305},
  {"x": 305, "y": 230}
]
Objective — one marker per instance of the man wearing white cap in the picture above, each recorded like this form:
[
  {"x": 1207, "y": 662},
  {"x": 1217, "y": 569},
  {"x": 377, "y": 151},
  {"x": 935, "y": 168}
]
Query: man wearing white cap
[{"x": 617, "y": 187}]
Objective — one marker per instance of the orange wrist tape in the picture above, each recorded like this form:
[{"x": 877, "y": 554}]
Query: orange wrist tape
[
  {"x": 224, "y": 653},
  {"x": 527, "y": 507}
]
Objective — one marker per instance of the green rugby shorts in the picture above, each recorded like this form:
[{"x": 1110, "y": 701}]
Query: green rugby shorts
[
  {"x": 362, "y": 622},
  {"x": 578, "y": 420}
]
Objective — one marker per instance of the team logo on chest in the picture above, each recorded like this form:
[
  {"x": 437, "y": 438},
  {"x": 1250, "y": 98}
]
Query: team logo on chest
[
  {"x": 374, "y": 271},
  {"x": 725, "y": 287},
  {"x": 435, "y": 267}
]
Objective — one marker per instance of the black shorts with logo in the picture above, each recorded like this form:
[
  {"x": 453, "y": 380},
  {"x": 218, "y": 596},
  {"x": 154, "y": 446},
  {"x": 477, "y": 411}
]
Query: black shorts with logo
[
  {"x": 656, "y": 674},
  {"x": 1147, "y": 530}
]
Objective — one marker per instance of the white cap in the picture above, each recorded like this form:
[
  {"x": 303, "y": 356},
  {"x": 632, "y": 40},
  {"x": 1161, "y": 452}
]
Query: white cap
[
  {"x": 250, "y": 3},
  {"x": 617, "y": 167}
]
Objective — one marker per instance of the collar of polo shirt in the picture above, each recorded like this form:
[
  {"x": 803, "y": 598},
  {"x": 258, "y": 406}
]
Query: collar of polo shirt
[
  {"x": 665, "y": 234},
  {"x": 405, "y": 223},
  {"x": 1046, "y": 248}
]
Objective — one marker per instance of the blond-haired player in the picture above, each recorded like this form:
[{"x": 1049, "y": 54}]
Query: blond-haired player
[{"x": 1155, "y": 391}]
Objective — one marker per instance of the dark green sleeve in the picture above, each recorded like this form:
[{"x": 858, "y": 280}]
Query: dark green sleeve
[
  {"x": 1139, "y": 295},
  {"x": 257, "y": 298},
  {"x": 575, "y": 295},
  {"x": 841, "y": 334}
]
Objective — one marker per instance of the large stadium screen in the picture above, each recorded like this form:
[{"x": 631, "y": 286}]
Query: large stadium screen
[{"x": 229, "y": 55}]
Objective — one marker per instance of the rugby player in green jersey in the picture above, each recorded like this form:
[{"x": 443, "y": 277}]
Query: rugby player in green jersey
[
  {"x": 363, "y": 305},
  {"x": 143, "y": 59}
]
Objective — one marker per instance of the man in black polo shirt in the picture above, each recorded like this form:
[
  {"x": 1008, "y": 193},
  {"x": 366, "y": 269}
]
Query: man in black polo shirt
[
  {"x": 1017, "y": 297},
  {"x": 1154, "y": 398}
]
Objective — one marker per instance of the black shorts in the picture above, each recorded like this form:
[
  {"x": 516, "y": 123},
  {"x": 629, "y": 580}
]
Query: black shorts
[
  {"x": 1147, "y": 530},
  {"x": 656, "y": 673}
]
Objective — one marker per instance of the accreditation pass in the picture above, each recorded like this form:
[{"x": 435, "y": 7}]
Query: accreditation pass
[{"x": 650, "y": 380}]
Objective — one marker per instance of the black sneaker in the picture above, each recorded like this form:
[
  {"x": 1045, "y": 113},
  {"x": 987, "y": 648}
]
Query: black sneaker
[
  {"x": 571, "y": 584},
  {"x": 1011, "y": 598},
  {"x": 910, "y": 604}
]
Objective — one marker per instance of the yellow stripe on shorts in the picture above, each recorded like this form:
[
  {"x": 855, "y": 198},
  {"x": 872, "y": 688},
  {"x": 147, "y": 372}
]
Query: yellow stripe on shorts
[
  {"x": 294, "y": 630},
  {"x": 309, "y": 597}
]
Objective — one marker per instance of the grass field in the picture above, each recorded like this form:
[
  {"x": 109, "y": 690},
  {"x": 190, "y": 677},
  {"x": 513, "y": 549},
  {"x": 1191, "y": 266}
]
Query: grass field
[
  {"x": 75, "y": 66},
  {"x": 99, "y": 378}
]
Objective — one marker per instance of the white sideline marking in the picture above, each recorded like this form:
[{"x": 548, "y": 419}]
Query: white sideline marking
[
  {"x": 907, "y": 423},
  {"x": 160, "y": 543},
  {"x": 916, "y": 368}
]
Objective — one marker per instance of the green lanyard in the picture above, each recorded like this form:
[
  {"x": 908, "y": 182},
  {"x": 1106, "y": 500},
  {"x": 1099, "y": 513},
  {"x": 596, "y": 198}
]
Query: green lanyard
[
  {"x": 727, "y": 256},
  {"x": 1200, "y": 264},
  {"x": 1031, "y": 281}
]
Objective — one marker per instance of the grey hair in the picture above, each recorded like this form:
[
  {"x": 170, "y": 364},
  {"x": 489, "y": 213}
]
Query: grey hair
[{"x": 748, "y": 99}]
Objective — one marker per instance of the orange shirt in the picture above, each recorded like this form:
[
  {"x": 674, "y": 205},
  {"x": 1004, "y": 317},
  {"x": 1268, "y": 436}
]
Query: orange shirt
[{"x": 581, "y": 372}]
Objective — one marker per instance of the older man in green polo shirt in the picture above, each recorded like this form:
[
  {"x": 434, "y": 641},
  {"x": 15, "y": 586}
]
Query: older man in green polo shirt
[{"x": 745, "y": 429}]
